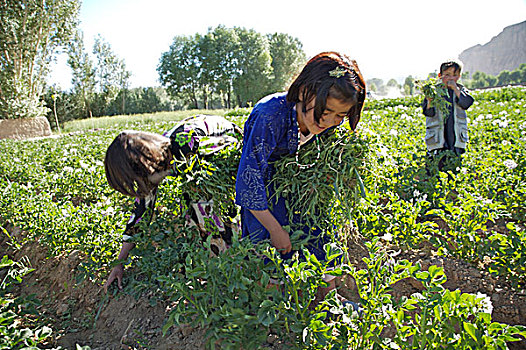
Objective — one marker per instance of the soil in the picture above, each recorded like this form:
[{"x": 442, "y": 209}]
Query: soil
[{"x": 82, "y": 314}]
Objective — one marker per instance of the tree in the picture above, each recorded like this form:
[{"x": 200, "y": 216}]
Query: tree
[
  {"x": 224, "y": 43},
  {"x": 503, "y": 78},
  {"x": 409, "y": 85},
  {"x": 378, "y": 85},
  {"x": 227, "y": 62},
  {"x": 478, "y": 80},
  {"x": 83, "y": 74},
  {"x": 522, "y": 69},
  {"x": 111, "y": 74},
  {"x": 179, "y": 68},
  {"x": 515, "y": 76},
  {"x": 31, "y": 33},
  {"x": 393, "y": 83},
  {"x": 287, "y": 59},
  {"x": 254, "y": 65}
]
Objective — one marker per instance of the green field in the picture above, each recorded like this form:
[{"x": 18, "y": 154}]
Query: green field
[{"x": 54, "y": 191}]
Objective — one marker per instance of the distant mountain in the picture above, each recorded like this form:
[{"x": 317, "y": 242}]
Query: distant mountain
[{"x": 506, "y": 51}]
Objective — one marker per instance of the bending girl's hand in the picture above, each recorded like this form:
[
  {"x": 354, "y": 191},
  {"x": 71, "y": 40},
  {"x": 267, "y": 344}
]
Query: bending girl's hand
[
  {"x": 281, "y": 241},
  {"x": 116, "y": 273}
]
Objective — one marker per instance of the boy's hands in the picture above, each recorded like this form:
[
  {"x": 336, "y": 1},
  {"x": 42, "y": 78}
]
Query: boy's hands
[{"x": 451, "y": 84}]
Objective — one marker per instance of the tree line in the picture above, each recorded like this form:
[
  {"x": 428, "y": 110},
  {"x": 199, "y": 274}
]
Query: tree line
[
  {"x": 480, "y": 80},
  {"x": 223, "y": 68},
  {"x": 477, "y": 80},
  {"x": 229, "y": 67}
]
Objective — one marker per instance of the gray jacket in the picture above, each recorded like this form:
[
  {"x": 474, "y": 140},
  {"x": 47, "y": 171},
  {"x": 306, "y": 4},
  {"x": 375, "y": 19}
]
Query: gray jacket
[{"x": 451, "y": 131}]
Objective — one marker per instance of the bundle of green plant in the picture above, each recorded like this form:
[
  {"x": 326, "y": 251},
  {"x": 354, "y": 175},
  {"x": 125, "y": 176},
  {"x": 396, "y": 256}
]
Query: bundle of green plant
[
  {"x": 211, "y": 177},
  {"x": 434, "y": 90},
  {"x": 322, "y": 181}
]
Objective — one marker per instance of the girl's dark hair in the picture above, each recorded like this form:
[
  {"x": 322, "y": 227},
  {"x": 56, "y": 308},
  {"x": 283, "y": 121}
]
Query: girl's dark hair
[
  {"x": 330, "y": 74},
  {"x": 132, "y": 157}
]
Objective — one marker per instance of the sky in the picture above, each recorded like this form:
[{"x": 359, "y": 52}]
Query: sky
[{"x": 387, "y": 38}]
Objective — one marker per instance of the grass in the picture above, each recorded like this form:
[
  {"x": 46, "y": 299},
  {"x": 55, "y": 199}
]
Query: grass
[{"x": 131, "y": 121}]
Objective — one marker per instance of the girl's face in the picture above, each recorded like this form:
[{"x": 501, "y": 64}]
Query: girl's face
[{"x": 335, "y": 111}]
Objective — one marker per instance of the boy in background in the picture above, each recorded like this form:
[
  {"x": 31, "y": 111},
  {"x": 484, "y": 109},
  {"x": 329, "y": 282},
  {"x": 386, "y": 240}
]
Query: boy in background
[{"x": 447, "y": 135}]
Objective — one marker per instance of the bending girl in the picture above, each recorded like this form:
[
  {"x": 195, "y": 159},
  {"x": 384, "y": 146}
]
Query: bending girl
[{"x": 136, "y": 163}]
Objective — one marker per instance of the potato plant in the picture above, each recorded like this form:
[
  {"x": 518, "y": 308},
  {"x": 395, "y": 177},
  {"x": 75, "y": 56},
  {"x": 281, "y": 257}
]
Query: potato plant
[{"x": 55, "y": 191}]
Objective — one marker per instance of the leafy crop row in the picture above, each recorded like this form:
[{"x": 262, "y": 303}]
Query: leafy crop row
[{"x": 55, "y": 191}]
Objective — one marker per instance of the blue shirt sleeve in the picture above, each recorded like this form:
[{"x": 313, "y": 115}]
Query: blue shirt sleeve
[{"x": 263, "y": 131}]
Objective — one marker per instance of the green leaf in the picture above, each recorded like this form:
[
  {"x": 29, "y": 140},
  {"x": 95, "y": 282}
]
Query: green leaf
[{"x": 471, "y": 330}]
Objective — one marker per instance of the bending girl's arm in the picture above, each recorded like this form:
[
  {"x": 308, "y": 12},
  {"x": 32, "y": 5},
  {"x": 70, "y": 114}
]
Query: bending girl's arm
[
  {"x": 118, "y": 271},
  {"x": 141, "y": 206},
  {"x": 278, "y": 236}
]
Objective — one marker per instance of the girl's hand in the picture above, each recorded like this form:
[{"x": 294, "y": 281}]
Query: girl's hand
[
  {"x": 281, "y": 241},
  {"x": 116, "y": 273},
  {"x": 278, "y": 236}
]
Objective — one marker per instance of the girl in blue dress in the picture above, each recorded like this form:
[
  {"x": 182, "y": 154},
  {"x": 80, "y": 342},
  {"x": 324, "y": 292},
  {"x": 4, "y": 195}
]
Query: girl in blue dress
[{"x": 329, "y": 90}]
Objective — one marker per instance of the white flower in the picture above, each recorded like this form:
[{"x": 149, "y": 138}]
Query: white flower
[
  {"x": 501, "y": 123},
  {"x": 510, "y": 164},
  {"x": 55, "y": 177},
  {"x": 419, "y": 196},
  {"x": 382, "y": 152},
  {"x": 393, "y": 132},
  {"x": 387, "y": 237},
  {"x": 83, "y": 165},
  {"x": 99, "y": 163},
  {"x": 486, "y": 201},
  {"x": 487, "y": 307},
  {"x": 68, "y": 169},
  {"x": 108, "y": 211},
  {"x": 505, "y": 143}
]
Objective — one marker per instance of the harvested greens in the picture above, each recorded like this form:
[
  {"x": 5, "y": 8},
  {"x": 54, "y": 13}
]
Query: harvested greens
[
  {"x": 436, "y": 92},
  {"x": 322, "y": 182}
]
